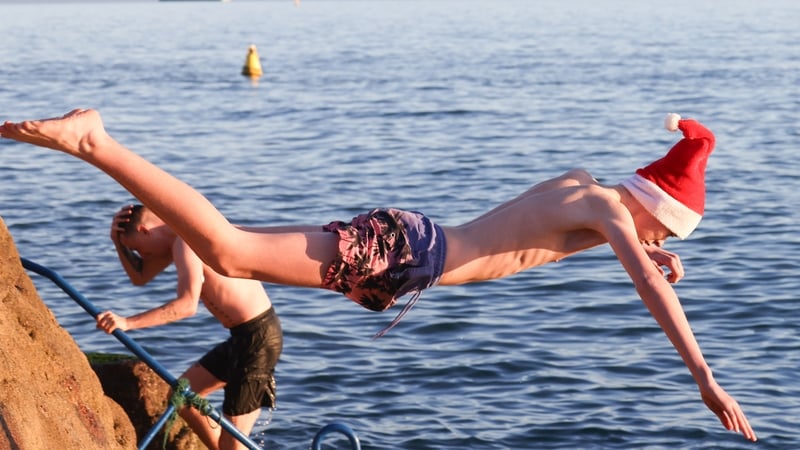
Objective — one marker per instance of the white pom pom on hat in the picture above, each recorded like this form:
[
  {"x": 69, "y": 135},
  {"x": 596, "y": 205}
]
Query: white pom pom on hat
[
  {"x": 671, "y": 121},
  {"x": 673, "y": 188}
]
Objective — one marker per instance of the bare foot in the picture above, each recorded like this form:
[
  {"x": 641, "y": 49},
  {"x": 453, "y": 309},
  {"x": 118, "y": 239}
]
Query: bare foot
[{"x": 77, "y": 133}]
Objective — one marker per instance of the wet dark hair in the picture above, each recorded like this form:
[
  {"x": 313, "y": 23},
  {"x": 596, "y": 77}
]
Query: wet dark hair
[{"x": 135, "y": 218}]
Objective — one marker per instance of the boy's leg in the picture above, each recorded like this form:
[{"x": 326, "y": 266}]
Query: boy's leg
[
  {"x": 202, "y": 383},
  {"x": 298, "y": 259},
  {"x": 210, "y": 432},
  {"x": 243, "y": 423},
  {"x": 81, "y": 133}
]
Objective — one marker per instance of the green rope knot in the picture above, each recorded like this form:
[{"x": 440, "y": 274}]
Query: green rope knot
[{"x": 181, "y": 397}]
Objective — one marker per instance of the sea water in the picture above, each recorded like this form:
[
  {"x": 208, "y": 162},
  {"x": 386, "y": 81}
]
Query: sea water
[{"x": 450, "y": 108}]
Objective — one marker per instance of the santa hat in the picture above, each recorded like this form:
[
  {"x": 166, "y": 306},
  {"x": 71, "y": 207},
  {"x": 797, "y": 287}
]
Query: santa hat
[{"x": 673, "y": 188}]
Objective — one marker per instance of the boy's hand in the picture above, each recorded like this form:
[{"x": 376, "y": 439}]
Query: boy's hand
[
  {"x": 727, "y": 410},
  {"x": 108, "y": 322},
  {"x": 661, "y": 258},
  {"x": 122, "y": 216}
]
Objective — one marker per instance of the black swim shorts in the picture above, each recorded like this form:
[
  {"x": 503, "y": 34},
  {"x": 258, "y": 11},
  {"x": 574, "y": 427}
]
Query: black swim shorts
[{"x": 246, "y": 363}]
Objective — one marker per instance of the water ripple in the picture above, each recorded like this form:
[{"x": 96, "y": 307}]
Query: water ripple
[{"x": 451, "y": 111}]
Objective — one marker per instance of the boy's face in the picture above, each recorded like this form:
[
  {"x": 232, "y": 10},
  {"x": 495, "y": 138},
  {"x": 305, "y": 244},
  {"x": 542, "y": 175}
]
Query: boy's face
[
  {"x": 650, "y": 230},
  {"x": 145, "y": 243}
]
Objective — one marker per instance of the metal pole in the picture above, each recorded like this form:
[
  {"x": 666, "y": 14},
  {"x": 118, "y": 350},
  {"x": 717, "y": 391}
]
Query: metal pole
[
  {"x": 157, "y": 426},
  {"x": 339, "y": 427}
]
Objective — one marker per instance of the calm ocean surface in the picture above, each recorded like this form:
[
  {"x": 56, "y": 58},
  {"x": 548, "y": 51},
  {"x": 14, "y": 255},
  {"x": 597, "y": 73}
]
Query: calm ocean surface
[{"x": 448, "y": 107}]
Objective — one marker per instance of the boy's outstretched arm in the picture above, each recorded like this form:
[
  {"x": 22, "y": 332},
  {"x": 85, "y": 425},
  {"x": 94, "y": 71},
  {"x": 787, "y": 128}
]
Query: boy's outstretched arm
[{"x": 664, "y": 306}]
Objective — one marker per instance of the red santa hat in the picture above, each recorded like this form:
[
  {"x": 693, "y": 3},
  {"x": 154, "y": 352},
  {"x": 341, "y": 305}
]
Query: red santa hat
[{"x": 673, "y": 188}]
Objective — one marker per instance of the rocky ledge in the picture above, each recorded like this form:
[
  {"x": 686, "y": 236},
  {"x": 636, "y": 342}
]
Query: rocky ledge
[{"x": 51, "y": 396}]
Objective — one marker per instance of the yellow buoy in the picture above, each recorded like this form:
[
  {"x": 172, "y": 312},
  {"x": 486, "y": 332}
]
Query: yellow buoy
[{"x": 252, "y": 65}]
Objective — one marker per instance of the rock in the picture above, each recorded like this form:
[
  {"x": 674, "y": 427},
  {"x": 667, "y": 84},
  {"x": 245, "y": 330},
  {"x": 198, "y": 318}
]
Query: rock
[
  {"x": 50, "y": 398},
  {"x": 144, "y": 395}
]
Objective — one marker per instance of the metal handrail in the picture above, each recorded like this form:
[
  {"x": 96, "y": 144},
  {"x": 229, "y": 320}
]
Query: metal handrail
[
  {"x": 140, "y": 352},
  {"x": 338, "y": 427}
]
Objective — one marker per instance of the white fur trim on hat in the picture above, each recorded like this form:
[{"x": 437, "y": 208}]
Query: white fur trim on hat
[{"x": 674, "y": 215}]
